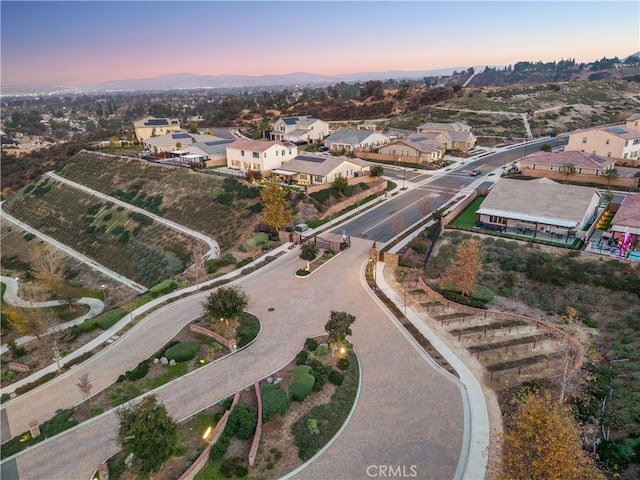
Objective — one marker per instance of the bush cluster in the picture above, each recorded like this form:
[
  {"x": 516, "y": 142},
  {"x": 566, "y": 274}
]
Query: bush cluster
[
  {"x": 36, "y": 383},
  {"x": 163, "y": 288},
  {"x": 139, "y": 372},
  {"x": 182, "y": 352},
  {"x": 242, "y": 422},
  {"x": 233, "y": 468},
  {"x": 274, "y": 401},
  {"x": 311, "y": 344},
  {"x": 214, "y": 264}
]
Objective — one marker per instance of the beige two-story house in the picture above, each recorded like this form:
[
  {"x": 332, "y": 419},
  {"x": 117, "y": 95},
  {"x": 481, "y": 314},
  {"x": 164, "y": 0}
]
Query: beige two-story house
[
  {"x": 617, "y": 141},
  {"x": 460, "y": 135},
  {"x": 152, "y": 126}
]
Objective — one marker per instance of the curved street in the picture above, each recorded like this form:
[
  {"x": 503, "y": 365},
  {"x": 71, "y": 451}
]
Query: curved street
[{"x": 400, "y": 419}]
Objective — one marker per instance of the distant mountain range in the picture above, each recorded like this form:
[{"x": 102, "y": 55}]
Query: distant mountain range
[{"x": 186, "y": 81}]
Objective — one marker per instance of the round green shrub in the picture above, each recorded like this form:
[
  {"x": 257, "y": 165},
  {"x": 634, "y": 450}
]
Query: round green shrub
[
  {"x": 301, "y": 383},
  {"x": 274, "y": 401},
  {"x": 163, "y": 288},
  {"x": 311, "y": 344},
  {"x": 242, "y": 421},
  {"x": 182, "y": 352},
  {"x": 482, "y": 294}
]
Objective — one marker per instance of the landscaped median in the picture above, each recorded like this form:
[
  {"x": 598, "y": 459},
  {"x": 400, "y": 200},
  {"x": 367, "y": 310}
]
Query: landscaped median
[{"x": 188, "y": 351}]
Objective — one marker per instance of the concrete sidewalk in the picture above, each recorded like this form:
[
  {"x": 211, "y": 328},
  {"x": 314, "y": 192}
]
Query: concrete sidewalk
[{"x": 477, "y": 426}]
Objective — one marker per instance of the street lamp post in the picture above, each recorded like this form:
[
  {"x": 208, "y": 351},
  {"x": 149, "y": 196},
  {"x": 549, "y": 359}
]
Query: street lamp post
[{"x": 104, "y": 295}]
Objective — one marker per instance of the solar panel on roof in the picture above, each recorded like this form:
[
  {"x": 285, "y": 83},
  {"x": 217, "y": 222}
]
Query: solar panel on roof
[
  {"x": 311, "y": 159},
  {"x": 156, "y": 122},
  {"x": 290, "y": 121},
  {"x": 180, "y": 135},
  {"x": 616, "y": 130},
  {"x": 418, "y": 139},
  {"x": 218, "y": 142}
]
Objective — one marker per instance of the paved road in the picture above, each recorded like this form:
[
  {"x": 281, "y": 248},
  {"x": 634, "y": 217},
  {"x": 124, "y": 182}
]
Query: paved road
[
  {"x": 75, "y": 254},
  {"x": 400, "y": 418},
  {"x": 11, "y": 297},
  {"x": 214, "y": 249}
]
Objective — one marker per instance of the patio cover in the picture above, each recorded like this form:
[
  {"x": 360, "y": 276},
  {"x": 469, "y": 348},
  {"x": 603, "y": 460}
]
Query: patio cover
[
  {"x": 558, "y": 222},
  {"x": 283, "y": 172}
]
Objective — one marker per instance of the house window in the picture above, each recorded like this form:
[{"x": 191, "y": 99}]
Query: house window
[
  {"x": 289, "y": 151},
  {"x": 551, "y": 167},
  {"x": 533, "y": 167},
  {"x": 608, "y": 140},
  {"x": 495, "y": 219},
  {"x": 256, "y": 155},
  {"x": 235, "y": 163},
  {"x": 580, "y": 170},
  {"x": 608, "y": 154},
  {"x": 284, "y": 152},
  {"x": 303, "y": 176},
  {"x": 276, "y": 153},
  {"x": 255, "y": 166},
  {"x": 317, "y": 179},
  {"x": 624, "y": 156},
  {"x": 597, "y": 172},
  {"x": 242, "y": 153},
  {"x": 584, "y": 139}
]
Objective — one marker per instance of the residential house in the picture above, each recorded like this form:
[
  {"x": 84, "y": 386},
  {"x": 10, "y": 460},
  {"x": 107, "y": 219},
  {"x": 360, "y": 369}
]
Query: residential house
[
  {"x": 259, "y": 155},
  {"x": 626, "y": 221},
  {"x": 175, "y": 141},
  {"x": 310, "y": 169},
  {"x": 348, "y": 139},
  {"x": 571, "y": 164},
  {"x": 617, "y": 141},
  {"x": 461, "y": 137},
  {"x": 213, "y": 152},
  {"x": 297, "y": 129},
  {"x": 418, "y": 149},
  {"x": 539, "y": 208},
  {"x": 152, "y": 126}
]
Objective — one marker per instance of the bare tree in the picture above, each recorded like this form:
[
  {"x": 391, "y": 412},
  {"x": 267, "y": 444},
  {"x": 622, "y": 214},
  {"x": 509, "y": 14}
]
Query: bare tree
[
  {"x": 47, "y": 265},
  {"x": 85, "y": 386}
]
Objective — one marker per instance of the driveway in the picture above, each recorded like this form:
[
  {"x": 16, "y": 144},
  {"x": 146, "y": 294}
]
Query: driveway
[{"x": 408, "y": 413}]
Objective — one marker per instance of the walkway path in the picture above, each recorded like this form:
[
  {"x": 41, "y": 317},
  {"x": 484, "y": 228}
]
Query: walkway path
[
  {"x": 402, "y": 418},
  {"x": 11, "y": 297},
  {"x": 214, "y": 249},
  {"x": 75, "y": 254}
]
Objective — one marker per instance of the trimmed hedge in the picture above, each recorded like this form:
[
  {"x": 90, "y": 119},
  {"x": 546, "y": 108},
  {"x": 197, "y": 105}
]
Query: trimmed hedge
[
  {"x": 163, "y": 288},
  {"x": 274, "y": 401},
  {"x": 139, "y": 372},
  {"x": 302, "y": 382},
  {"x": 182, "y": 352},
  {"x": 105, "y": 320},
  {"x": 248, "y": 330}
]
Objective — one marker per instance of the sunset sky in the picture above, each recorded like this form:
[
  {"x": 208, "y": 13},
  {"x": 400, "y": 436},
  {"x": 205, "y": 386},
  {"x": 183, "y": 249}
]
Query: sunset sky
[{"x": 66, "y": 43}]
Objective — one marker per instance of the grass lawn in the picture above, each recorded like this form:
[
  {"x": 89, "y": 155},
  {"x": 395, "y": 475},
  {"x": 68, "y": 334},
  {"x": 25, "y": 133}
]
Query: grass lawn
[{"x": 469, "y": 217}]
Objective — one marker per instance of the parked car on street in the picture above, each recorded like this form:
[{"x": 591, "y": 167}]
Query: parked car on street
[{"x": 475, "y": 173}]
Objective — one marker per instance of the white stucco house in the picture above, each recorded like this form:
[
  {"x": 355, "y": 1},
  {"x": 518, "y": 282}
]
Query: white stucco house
[
  {"x": 259, "y": 155},
  {"x": 296, "y": 129}
]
